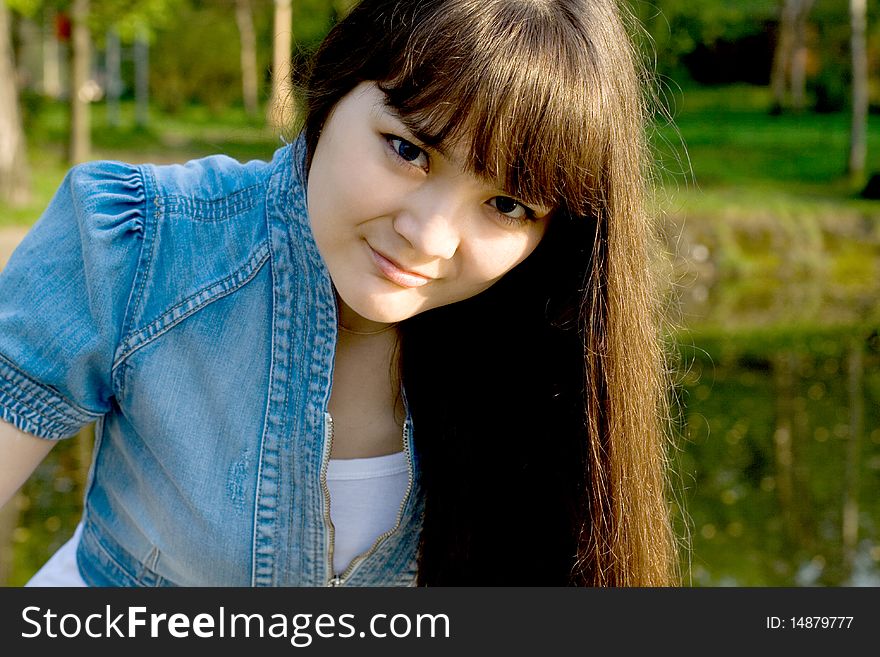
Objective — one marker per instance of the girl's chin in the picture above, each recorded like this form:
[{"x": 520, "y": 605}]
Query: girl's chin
[{"x": 374, "y": 314}]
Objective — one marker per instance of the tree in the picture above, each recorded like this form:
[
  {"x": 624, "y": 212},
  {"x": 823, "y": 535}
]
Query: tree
[
  {"x": 113, "y": 63},
  {"x": 789, "y": 74},
  {"x": 14, "y": 180},
  {"x": 245, "y": 20},
  {"x": 858, "y": 143},
  {"x": 281, "y": 109},
  {"x": 80, "y": 92},
  {"x": 679, "y": 28},
  {"x": 51, "y": 54},
  {"x": 142, "y": 77},
  {"x": 132, "y": 22}
]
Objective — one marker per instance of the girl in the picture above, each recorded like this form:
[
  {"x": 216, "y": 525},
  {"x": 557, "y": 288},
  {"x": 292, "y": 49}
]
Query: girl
[{"x": 418, "y": 346}]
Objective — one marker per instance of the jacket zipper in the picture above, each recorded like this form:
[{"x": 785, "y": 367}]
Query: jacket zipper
[{"x": 341, "y": 578}]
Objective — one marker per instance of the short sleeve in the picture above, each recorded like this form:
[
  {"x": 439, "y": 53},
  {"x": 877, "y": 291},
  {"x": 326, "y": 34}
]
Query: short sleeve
[{"x": 64, "y": 295}]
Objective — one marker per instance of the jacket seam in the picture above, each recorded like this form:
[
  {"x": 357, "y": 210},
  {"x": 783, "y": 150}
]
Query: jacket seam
[
  {"x": 142, "y": 270},
  {"x": 106, "y": 552},
  {"x": 262, "y": 445},
  {"x": 14, "y": 405},
  {"x": 191, "y": 304},
  {"x": 215, "y": 210}
]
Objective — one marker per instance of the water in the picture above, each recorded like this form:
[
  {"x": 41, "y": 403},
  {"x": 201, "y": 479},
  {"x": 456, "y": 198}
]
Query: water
[{"x": 780, "y": 459}]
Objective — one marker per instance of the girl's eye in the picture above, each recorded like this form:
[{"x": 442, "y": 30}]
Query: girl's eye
[
  {"x": 515, "y": 211},
  {"x": 408, "y": 151}
]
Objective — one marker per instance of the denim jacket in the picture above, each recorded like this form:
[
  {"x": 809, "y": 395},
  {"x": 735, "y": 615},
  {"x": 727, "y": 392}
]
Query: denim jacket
[{"x": 187, "y": 311}]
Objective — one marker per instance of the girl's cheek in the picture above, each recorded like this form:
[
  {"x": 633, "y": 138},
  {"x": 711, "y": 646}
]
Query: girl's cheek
[{"x": 496, "y": 259}]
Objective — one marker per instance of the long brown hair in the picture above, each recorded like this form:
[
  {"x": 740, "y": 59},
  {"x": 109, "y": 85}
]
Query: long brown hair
[{"x": 538, "y": 405}]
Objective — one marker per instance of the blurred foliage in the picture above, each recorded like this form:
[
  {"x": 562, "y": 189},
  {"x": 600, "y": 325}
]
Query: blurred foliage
[
  {"x": 829, "y": 60},
  {"x": 733, "y": 143},
  {"x": 195, "y": 42},
  {"x": 678, "y": 27},
  {"x": 130, "y": 18},
  {"x": 133, "y": 19},
  {"x": 196, "y": 58},
  {"x": 714, "y": 41},
  {"x": 313, "y": 18},
  {"x": 24, "y": 7}
]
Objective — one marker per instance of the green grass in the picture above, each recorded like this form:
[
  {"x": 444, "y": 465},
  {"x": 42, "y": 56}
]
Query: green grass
[
  {"x": 786, "y": 241},
  {"x": 738, "y": 156}
]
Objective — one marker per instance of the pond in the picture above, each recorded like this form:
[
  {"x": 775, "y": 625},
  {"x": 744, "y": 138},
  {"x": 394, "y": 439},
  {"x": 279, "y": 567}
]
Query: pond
[
  {"x": 778, "y": 398},
  {"x": 779, "y": 461},
  {"x": 776, "y": 466}
]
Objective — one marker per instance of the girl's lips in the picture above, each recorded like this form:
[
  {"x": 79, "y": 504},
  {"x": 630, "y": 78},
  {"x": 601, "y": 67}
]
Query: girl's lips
[{"x": 395, "y": 274}]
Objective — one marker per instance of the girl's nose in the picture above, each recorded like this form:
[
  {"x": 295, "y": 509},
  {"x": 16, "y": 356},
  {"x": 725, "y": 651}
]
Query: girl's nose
[{"x": 431, "y": 225}]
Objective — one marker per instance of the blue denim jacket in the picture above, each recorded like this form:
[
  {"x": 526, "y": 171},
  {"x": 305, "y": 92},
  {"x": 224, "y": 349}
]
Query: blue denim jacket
[{"x": 187, "y": 311}]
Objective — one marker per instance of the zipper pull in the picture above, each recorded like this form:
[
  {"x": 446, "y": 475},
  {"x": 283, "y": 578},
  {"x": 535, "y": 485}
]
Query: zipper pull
[{"x": 336, "y": 581}]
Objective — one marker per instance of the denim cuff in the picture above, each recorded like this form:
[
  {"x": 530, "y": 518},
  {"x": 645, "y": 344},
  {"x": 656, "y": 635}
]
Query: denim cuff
[{"x": 37, "y": 409}]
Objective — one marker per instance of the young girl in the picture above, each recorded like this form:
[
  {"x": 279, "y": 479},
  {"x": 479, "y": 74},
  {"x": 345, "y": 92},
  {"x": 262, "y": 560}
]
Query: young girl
[{"x": 419, "y": 346}]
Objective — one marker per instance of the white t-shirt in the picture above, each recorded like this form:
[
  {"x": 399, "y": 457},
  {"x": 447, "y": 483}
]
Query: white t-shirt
[{"x": 365, "y": 495}]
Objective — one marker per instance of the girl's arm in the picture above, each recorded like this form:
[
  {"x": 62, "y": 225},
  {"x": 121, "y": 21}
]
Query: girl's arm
[{"x": 20, "y": 454}]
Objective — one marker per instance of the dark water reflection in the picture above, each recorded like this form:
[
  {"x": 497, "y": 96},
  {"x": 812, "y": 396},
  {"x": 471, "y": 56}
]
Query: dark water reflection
[{"x": 781, "y": 457}]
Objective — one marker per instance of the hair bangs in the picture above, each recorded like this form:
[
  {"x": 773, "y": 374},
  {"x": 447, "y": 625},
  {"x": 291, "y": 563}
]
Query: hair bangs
[{"x": 514, "y": 88}]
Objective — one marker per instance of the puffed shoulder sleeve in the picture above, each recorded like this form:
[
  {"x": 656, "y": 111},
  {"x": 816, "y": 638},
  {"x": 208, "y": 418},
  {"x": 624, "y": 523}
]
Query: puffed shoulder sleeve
[{"x": 63, "y": 299}]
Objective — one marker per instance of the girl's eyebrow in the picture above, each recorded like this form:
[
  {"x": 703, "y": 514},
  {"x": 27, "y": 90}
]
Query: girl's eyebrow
[{"x": 427, "y": 140}]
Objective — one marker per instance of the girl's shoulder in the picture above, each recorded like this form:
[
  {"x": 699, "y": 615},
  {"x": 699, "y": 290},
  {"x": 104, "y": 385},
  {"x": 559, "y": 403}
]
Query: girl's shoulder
[
  {"x": 213, "y": 188},
  {"x": 186, "y": 228},
  {"x": 123, "y": 254},
  {"x": 207, "y": 227}
]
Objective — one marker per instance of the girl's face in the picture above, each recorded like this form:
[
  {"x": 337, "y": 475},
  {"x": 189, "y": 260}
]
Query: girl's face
[{"x": 402, "y": 227}]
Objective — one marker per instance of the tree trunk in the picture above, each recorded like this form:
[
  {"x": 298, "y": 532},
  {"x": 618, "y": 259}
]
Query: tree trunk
[
  {"x": 114, "y": 77},
  {"x": 141, "y": 79},
  {"x": 51, "y": 56},
  {"x": 281, "y": 108},
  {"x": 858, "y": 143},
  {"x": 789, "y": 74},
  {"x": 14, "y": 183},
  {"x": 80, "y": 91},
  {"x": 245, "y": 20},
  {"x": 799, "y": 56},
  {"x": 782, "y": 54}
]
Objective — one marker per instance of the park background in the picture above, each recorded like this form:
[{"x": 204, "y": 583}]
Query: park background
[{"x": 766, "y": 140}]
